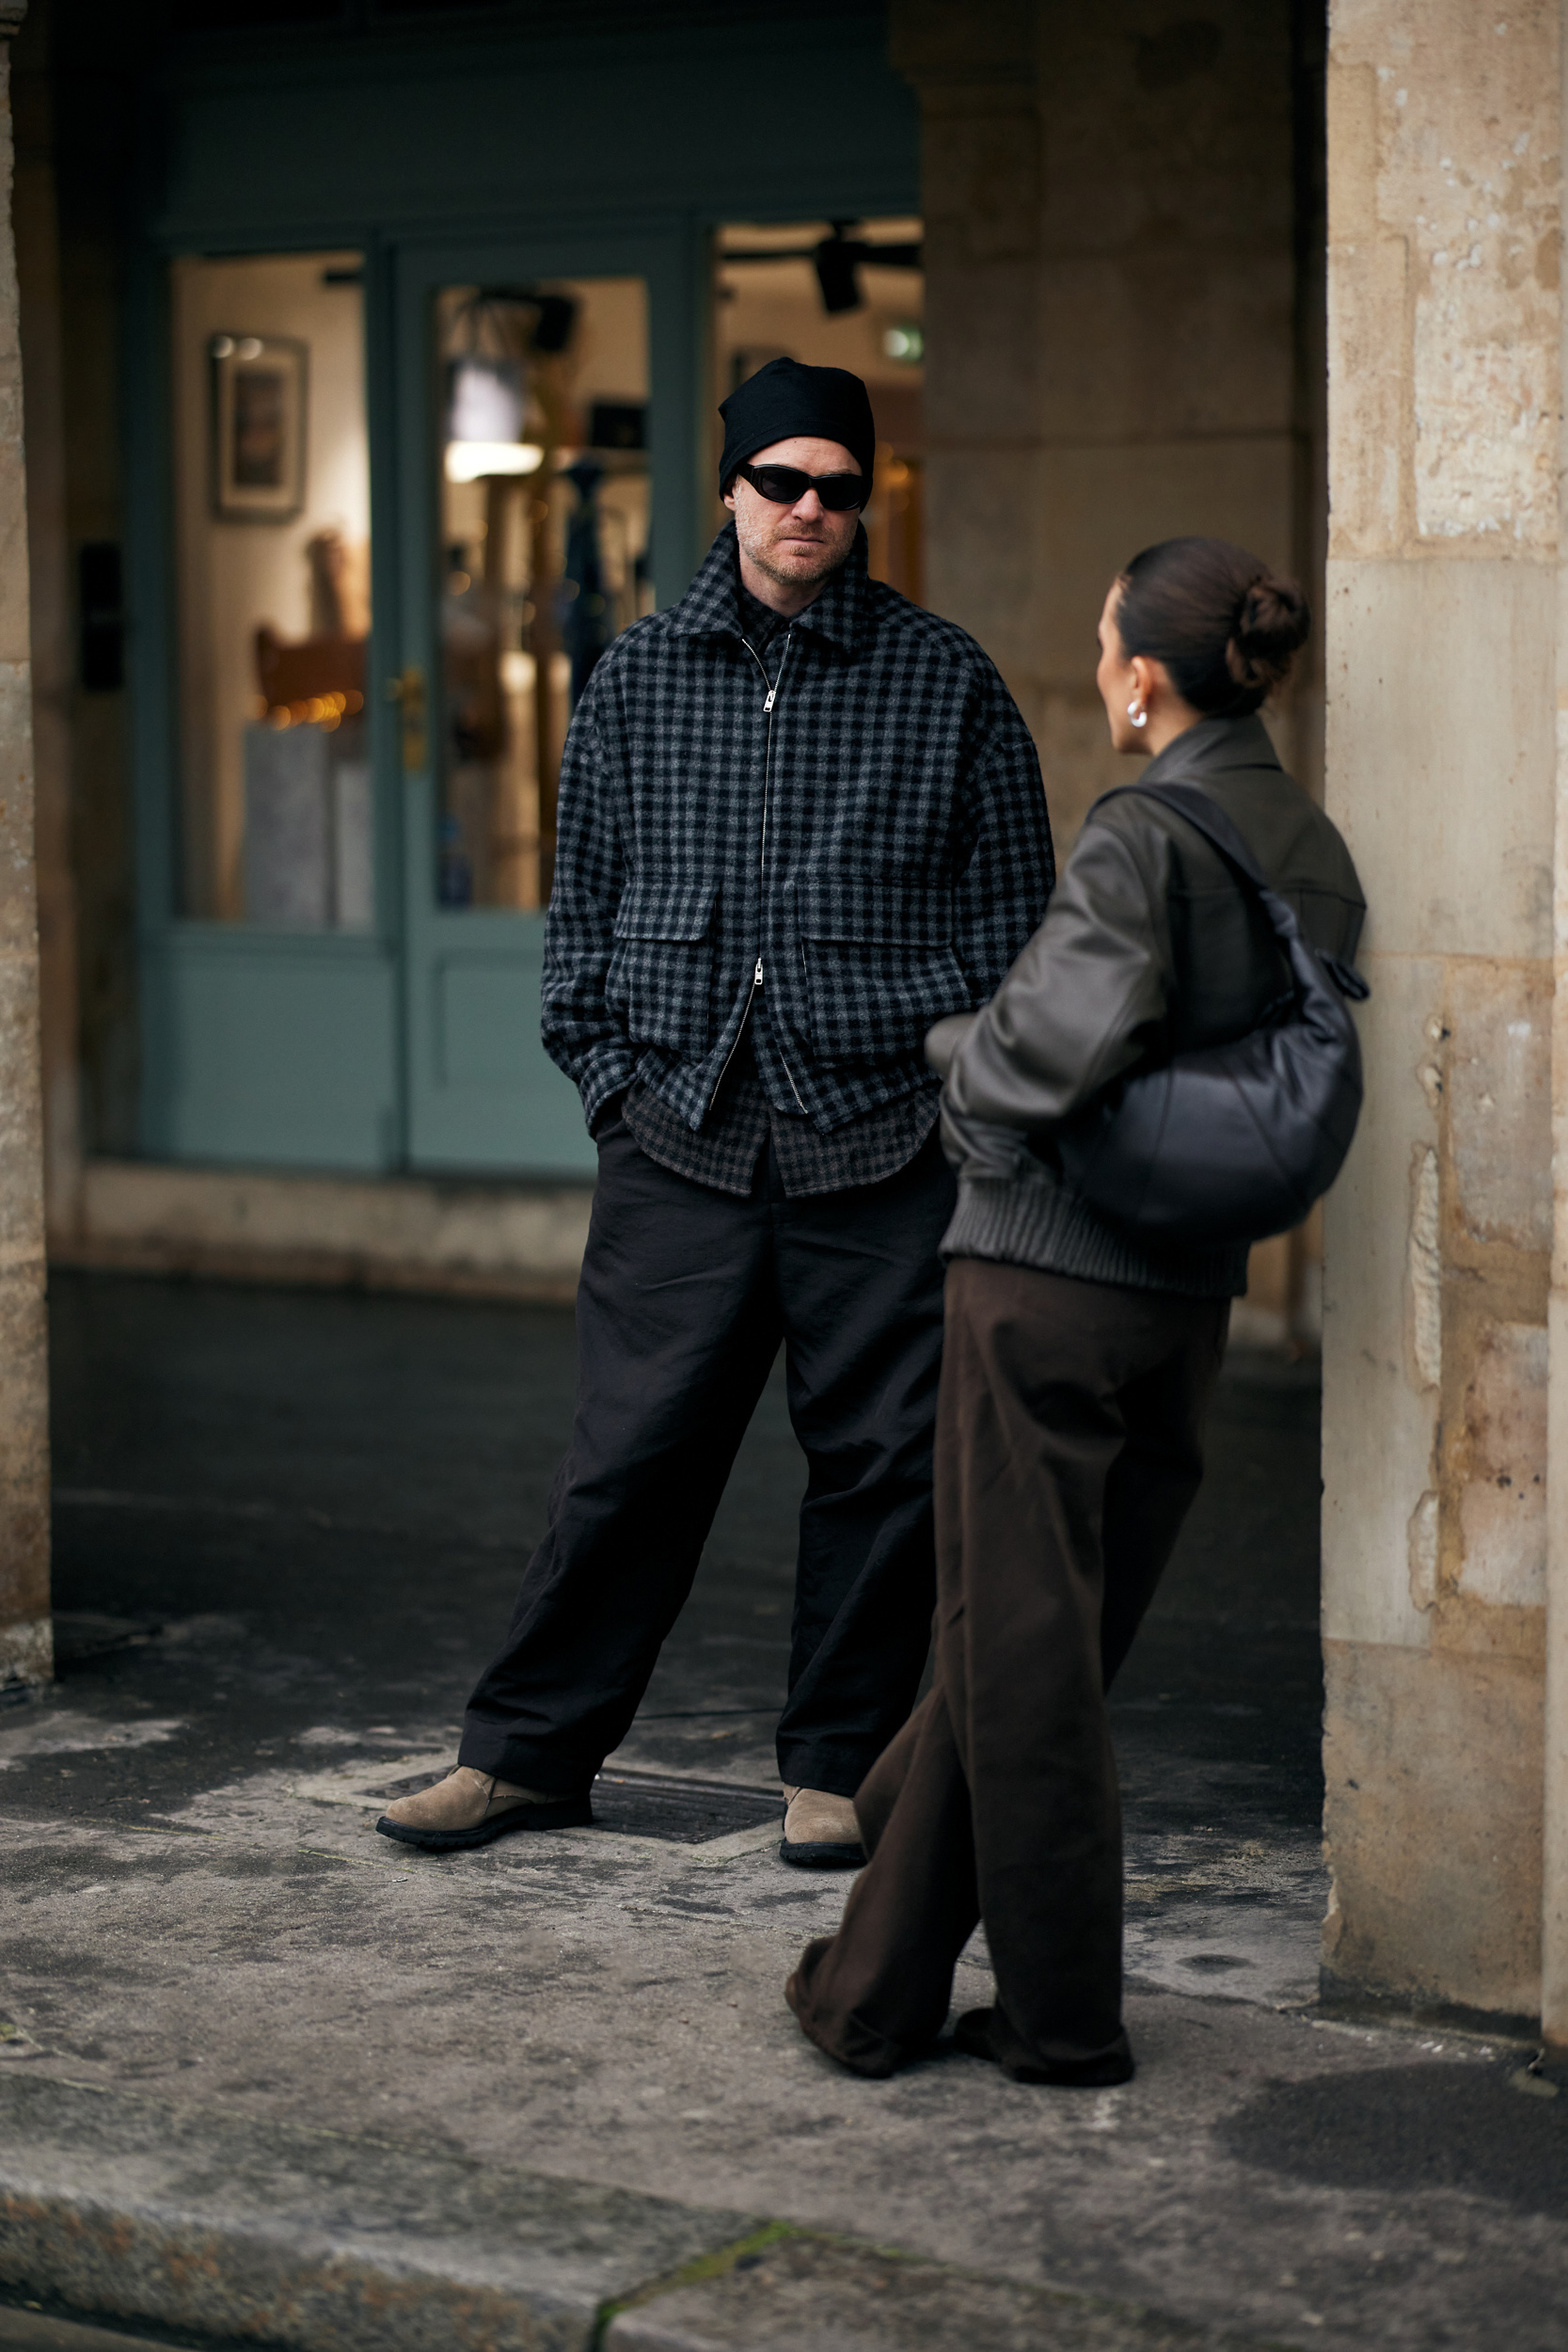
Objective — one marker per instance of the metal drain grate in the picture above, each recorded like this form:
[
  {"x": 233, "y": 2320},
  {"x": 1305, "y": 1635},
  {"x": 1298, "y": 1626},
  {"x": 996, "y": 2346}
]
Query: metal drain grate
[
  {"x": 649, "y": 1804},
  {"x": 684, "y": 1812}
]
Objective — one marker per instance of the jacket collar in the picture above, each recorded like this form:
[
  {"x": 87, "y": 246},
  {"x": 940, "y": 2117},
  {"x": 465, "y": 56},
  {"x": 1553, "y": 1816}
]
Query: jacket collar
[
  {"x": 711, "y": 606},
  {"x": 1212, "y": 746}
]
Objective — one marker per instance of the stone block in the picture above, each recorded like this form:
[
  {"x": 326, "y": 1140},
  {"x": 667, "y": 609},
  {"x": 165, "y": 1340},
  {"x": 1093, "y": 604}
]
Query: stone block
[
  {"x": 481, "y": 1240},
  {"x": 982, "y": 326},
  {"x": 1352, "y": 148},
  {"x": 1503, "y": 1463},
  {"x": 1223, "y": 325},
  {"x": 14, "y": 538},
  {"x": 1432, "y": 1763},
  {"x": 1441, "y": 683},
  {"x": 26, "y": 1651},
  {"x": 236, "y": 2226},
  {"x": 1368, "y": 398},
  {"x": 1076, "y": 758},
  {"x": 935, "y": 44},
  {"x": 801, "y": 2292},
  {"x": 1165, "y": 130},
  {"x": 1383, "y": 1323},
  {"x": 980, "y": 169},
  {"x": 1497, "y": 1082},
  {"x": 1463, "y": 139},
  {"x": 18, "y": 909},
  {"x": 1096, "y": 507},
  {"x": 980, "y": 565},
  {"x": 20, "y": 1118}
]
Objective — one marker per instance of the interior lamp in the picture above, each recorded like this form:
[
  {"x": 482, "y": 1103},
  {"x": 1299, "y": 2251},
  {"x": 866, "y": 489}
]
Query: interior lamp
[
  {"x": 484, "y": 420},
  {"x": 471, "y": 461}
]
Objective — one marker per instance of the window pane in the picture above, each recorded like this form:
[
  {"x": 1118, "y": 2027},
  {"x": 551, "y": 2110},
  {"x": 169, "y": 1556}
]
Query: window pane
[
  {"x": 543, "y": 466},
  {"x": 771, "y": 309},
  {"x": 272, "y": 537}
]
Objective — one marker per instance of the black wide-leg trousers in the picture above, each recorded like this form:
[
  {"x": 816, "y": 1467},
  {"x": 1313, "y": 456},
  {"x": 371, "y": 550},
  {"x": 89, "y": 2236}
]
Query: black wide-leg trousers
[
  {"x": 1069, "y": 1447},
  {"x": 685, "y": 1297}
]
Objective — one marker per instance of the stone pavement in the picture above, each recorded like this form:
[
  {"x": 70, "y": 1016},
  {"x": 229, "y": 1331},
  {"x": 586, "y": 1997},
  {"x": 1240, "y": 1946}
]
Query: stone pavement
[{"x": 265, "y": 2077}]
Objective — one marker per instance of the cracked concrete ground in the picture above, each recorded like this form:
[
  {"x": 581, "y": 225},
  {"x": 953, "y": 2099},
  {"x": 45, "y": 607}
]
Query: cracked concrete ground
[{"x": 289, "y": 1526}]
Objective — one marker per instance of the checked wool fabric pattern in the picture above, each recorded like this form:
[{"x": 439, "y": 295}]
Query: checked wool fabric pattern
[{"x": 876, "y": 839}]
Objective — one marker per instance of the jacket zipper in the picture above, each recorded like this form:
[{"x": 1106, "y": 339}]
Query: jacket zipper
[{"x": 772, "y": 686}]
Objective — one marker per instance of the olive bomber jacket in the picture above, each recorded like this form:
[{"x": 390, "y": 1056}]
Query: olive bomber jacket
[{"x": 1149, "y": 948}]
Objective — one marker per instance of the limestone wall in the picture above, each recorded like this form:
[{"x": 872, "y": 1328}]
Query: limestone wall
[
  {"x": 24, "y": 1624},
  {"x": 1114, "y": 321},
  {"x": 1442, "y": 684}
]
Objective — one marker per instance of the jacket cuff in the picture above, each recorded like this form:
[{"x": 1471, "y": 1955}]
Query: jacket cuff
[{"x": 610, "y": 1072}]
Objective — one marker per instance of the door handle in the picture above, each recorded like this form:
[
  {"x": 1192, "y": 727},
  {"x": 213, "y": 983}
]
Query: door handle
[{"x": 408, "y": 692}]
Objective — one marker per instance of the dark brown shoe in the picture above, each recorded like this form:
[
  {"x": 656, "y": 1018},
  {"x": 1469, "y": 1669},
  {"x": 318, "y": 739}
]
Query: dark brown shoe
[{"x": 975, "y": 2034}]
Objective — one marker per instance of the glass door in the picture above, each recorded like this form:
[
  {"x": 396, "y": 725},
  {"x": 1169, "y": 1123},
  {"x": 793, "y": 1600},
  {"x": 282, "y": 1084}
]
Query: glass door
[{"x": 527, "y": 383}]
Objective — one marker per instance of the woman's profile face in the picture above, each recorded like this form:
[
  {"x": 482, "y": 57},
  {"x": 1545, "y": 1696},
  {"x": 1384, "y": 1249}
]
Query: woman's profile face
[{"x": 1118, "y": 680}]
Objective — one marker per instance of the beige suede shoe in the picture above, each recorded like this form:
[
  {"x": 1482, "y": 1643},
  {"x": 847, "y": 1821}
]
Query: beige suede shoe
[
  {"x": 821, "y": 1831},
  {"x": 470, "y": 1808}
]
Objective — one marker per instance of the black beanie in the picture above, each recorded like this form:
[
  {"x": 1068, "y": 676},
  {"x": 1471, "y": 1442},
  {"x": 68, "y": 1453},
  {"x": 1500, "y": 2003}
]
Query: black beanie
[{"x": 784, "y": 401}]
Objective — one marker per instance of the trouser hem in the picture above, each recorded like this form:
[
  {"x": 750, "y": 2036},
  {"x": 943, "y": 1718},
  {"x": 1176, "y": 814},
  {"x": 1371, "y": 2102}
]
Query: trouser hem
[
  {"x": 837, "y": 1771},
  {"x": 853, "y": 2044},
  {"x": 522, "y": 1762}
]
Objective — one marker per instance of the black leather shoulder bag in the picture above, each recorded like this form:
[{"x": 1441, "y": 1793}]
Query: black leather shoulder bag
[{"x": 1234, "y": 1142}]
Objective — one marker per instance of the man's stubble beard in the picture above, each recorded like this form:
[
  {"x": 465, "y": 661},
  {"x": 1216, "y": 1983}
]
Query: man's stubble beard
[{"x": 832, "y": 560}]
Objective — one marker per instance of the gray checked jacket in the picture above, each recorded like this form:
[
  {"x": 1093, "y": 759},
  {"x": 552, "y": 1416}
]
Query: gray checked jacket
[{"x": 857, "y": 825}]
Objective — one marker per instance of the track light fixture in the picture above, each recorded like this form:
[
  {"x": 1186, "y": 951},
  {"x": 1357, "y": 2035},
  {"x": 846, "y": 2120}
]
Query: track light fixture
[{"x": 837, "y": 259}]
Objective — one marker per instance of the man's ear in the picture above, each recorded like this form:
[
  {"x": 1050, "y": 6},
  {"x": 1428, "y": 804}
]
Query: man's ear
[{"x": 728, "y": 496}]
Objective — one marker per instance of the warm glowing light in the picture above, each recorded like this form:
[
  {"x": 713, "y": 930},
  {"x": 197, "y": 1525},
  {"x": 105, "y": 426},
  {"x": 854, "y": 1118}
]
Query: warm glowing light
[{"x": 471, "y": 461}]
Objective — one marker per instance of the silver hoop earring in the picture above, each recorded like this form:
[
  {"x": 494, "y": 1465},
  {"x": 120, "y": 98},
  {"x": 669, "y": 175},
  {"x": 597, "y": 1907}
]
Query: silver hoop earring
[{"x": 1139, "y": 717}]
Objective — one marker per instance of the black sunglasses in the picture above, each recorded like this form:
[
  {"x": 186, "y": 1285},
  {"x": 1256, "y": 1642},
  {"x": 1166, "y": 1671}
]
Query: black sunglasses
[{"x": 783, "y": 486}]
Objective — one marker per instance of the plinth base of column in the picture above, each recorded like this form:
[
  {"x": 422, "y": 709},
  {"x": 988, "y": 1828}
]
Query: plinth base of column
[{"x": 26, "y": 1652}]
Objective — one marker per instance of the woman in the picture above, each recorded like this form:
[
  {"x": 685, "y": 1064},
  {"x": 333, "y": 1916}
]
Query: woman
[{"x": 1078, "y": 1361}]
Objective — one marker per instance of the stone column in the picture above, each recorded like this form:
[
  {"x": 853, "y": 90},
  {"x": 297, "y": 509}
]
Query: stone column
[
  {"x": 1554, "y": 1908},
  {"x": 35, "y": 225},
  {"x": 1112, "y": 324},
  {"x": 1443, "y": 684},
  {"x": 25, "y": 1644}
]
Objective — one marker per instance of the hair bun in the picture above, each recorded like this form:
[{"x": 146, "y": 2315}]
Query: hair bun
[
  {"x": 1221, "y": 619},
  {"x": 1272, "y": 623}
]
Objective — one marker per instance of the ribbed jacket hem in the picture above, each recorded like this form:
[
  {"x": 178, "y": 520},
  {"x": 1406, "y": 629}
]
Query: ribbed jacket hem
[{"x": 1034, "y": 1221}]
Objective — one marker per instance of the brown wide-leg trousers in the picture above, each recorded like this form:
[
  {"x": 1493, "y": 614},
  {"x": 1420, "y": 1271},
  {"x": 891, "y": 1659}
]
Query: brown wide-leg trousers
[{"x": 1069, "y": 1449}]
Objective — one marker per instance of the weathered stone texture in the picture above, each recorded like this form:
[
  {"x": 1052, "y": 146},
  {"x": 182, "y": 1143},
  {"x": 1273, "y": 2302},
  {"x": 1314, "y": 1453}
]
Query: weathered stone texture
[
  {"x": 1502, "y": 1504},
  {"x": 1441, "y": 687},
  {"x": 23, "y": 1373},
  {"x": 1382, "y": 1321},
  {"x": 1499, "y": 1090},
  {"x": 1111, "y": 300},
  {"x": 1436, "y": 1838},
  {"x": 1442, "y": 672},
  {"x": 1443, "y": 210}
]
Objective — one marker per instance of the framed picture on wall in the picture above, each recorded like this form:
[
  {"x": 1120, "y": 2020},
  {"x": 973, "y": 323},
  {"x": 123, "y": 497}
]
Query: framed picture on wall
[{"x": 258, "y": 427}]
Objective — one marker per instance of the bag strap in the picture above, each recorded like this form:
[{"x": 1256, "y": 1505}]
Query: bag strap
[{"x": 1205, "y": 816}]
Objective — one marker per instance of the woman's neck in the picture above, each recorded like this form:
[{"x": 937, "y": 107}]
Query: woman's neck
[{"x": 1165, "y": 723}]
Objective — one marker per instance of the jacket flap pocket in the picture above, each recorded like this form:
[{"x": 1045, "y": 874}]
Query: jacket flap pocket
[
  {"x": 665, "y": 906},
  {"x": 885, "y": 907}
]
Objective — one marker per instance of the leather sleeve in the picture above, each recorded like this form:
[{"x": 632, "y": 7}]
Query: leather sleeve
[{"x": 1085, "y": 1001}]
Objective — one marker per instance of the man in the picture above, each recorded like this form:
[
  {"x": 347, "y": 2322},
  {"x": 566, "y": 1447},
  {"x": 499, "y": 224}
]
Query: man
[{"x": 800, "y": 819}]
